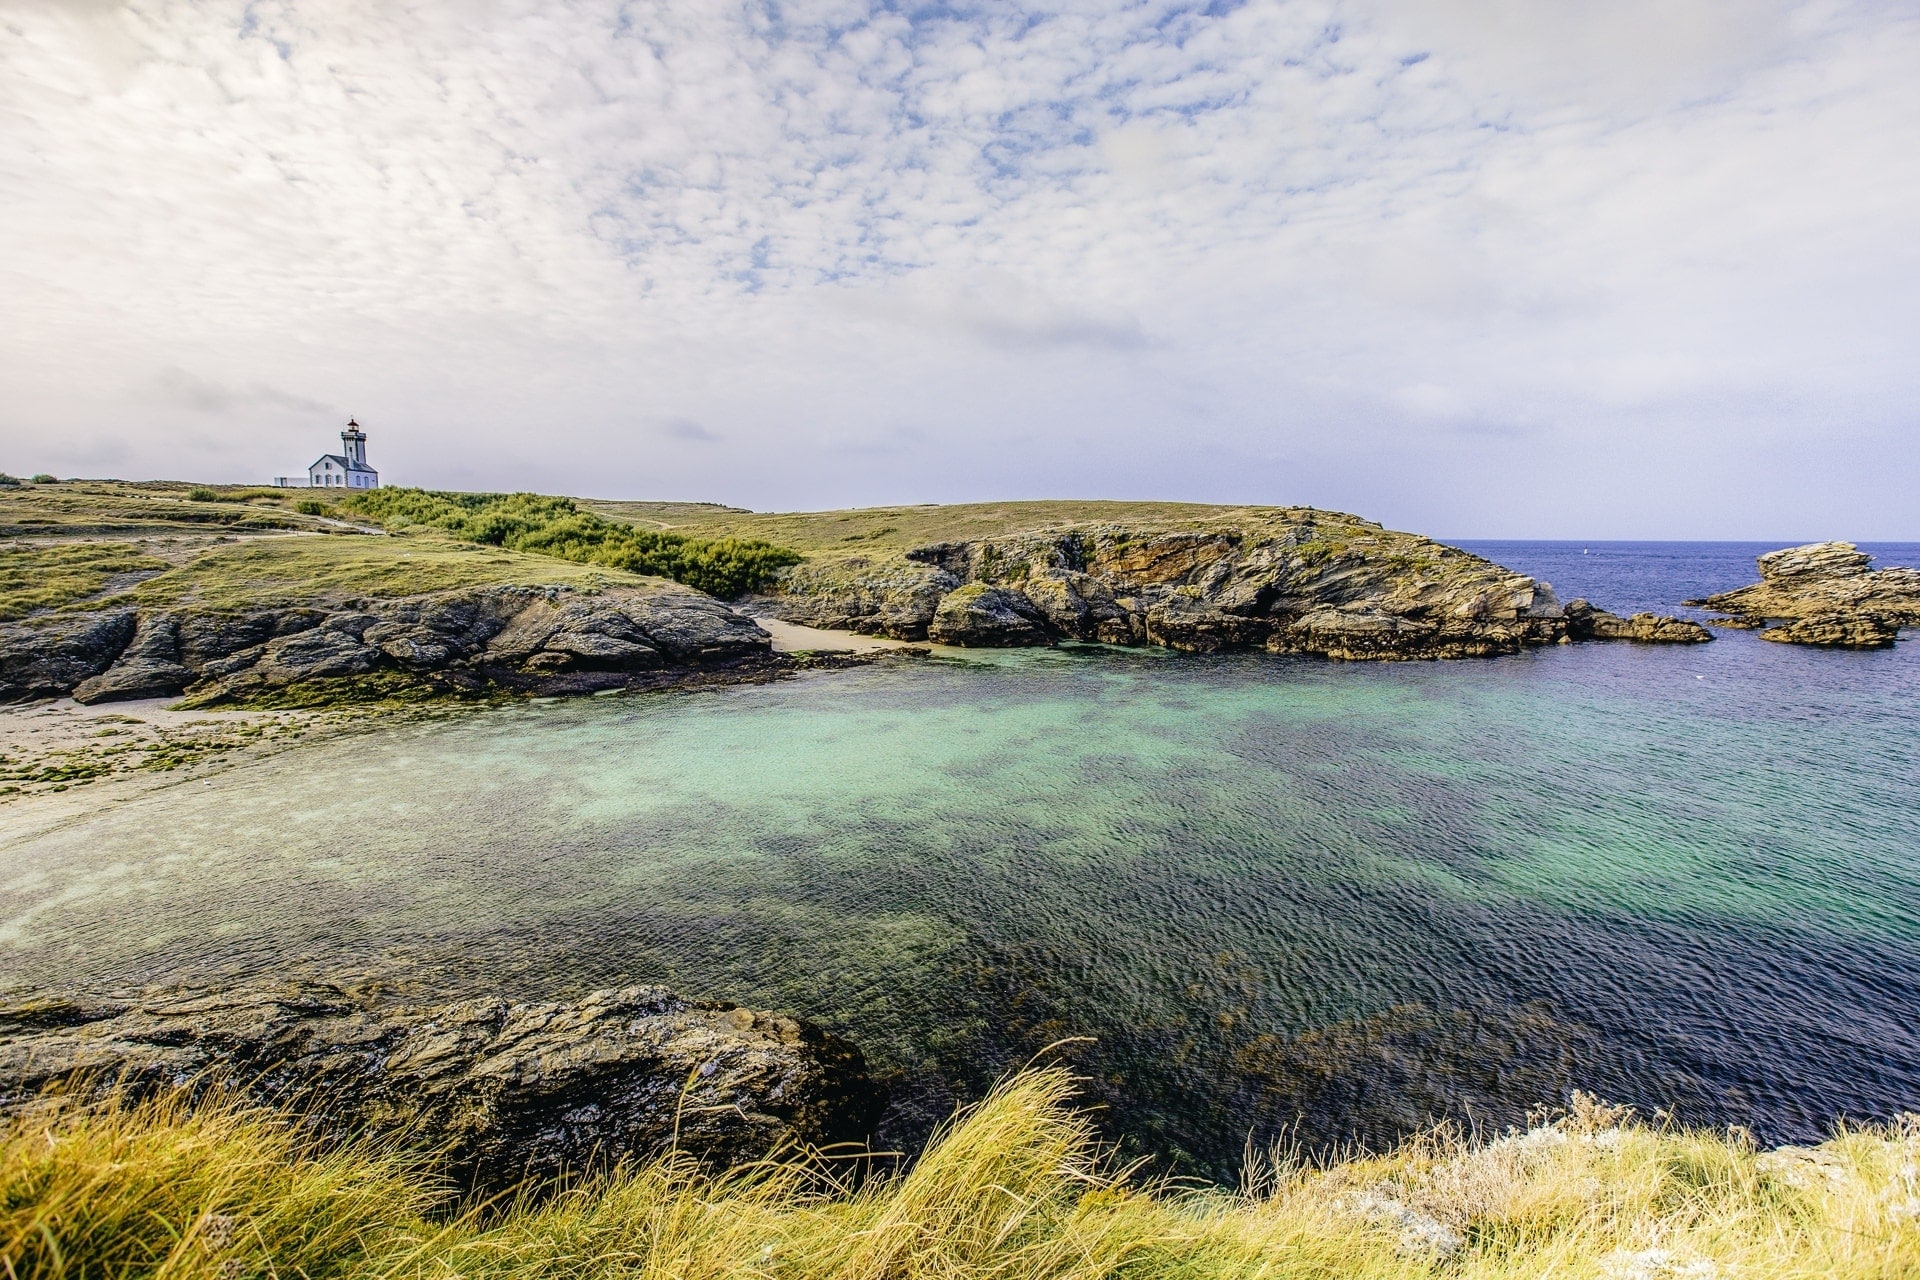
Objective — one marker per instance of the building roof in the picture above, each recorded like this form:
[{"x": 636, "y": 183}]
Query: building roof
[{"x": 344, "y": 464}]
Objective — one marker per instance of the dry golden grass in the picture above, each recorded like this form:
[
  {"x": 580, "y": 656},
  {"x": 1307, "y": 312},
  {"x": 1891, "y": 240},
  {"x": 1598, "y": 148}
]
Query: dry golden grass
[{"x": 1014, "y": 1189}]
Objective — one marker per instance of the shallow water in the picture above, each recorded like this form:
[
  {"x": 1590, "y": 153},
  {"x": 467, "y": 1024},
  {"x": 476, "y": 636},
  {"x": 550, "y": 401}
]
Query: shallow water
[{"x": 1282, "y": 895}]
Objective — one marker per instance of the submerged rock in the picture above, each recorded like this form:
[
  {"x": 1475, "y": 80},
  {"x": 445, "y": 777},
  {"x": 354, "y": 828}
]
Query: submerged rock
[
  {"x": 1825, "y": 594},
  {"x": 507, "y": 1090}
]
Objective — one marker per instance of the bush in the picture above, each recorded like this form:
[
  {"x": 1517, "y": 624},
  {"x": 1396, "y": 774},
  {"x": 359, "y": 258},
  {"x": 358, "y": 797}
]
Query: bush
[
  {"x": 310, "y": 507},
  {"x": 6, "y": 479},
  {"x": 44, "y": 478},
  {"x": 203, "y": 495},
  {"x": 557, "y": 527}
]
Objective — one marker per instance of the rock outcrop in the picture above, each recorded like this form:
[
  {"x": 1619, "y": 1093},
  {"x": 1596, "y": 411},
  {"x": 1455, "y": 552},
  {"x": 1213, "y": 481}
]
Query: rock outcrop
[
  {"x": 977, "y": 614},
  {"x": 1837, "y": 631},
  {"x": 1826, "y": 594},
  {"x": 1584, "y": 622},
  {"x": 521, "y": 637},
  {"x": 506, "y": 1090},
  {"x": 1289, "y": 581},
  {"x": 47, "y": 659}
]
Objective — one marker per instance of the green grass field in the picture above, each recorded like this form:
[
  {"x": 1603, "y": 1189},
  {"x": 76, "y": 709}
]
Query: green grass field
[
  {"x": 265, "y": 572},
  {"x": 1014, "y": 1190}
]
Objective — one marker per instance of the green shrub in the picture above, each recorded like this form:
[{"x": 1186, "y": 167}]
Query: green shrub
[
  {"x": 310, "y": 507},
  {"x": 557, "y": 527},
  {"x": 6, "y": 479},
  {"x": 43, "y": 478},
  {"x": 203, "y": 495}
]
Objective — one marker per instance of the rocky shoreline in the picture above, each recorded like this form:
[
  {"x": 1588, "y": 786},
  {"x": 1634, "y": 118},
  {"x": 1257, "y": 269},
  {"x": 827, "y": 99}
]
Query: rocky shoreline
[
  {"x": 503, "y": 1092},
  {"x": 1824, "y": 594},
  {"x": 1308, "y": 583},
  {"x": 524, "y": 639}
]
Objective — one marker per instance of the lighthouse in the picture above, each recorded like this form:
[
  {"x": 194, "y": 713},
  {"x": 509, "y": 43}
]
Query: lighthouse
[{"x": 347, "y": 469}]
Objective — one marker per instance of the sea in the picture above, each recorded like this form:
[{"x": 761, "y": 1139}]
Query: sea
[{"x": 1254, "y": 901}]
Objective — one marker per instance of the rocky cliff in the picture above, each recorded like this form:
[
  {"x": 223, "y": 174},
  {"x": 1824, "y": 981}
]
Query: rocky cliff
[
  {"x": 1292, "y": 581},
  {"x": 553, "y": 638},
  {"x": 1825, "y": 594},
  {"x": 505, "y": 1090}
]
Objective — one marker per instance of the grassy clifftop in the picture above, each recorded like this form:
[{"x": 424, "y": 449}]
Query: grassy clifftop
[
  {"x": 91, "y": 544},
  {"x": 1016, "y": 1189},
  {"x": 893, "y": 530}
]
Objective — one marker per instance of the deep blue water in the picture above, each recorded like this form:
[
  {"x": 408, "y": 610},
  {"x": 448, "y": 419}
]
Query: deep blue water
[
  {"x": 1631, "y": 576},
  {"x": 1281, "y": 895}
]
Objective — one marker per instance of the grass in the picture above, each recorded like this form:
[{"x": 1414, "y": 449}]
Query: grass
[
  {"x": 896, "y": 529},
  {"x": 120, "y": 509},
  {"x": 33, "y": 578},
  {"x": 1015, "y": 1189},
  {"x": 279, "y": 571},
  {"x": 725, "y": 567}
]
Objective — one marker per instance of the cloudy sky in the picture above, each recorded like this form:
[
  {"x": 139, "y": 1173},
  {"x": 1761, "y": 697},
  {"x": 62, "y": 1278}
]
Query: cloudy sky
[{"x": 1474, "y": 267}]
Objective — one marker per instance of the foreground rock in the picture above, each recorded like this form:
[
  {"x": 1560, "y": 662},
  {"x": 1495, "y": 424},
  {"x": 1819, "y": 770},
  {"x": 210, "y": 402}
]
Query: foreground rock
[
  {"x": 532, "y": 638},
  {"x": 1285, "y": 580},
  {"x": 506, "y": 1090},
  {"x": 1826, "y": 594}
]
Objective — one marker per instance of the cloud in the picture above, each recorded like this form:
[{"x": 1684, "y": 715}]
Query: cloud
[
  {"x": 688, "y": 429},
  {"x": 875, "y": 255},
  {"x": 176, "y": 388}
]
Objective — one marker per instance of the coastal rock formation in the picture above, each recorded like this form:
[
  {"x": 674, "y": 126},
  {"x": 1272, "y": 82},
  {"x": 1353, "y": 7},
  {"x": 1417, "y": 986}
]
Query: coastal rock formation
[
  {"x": 889, "y": 598},
  {"x": 1288, "y": 581},
  {"x": 1584, "y": 622},
  {"x": 517, "y": 636},
  {"x": 1825, "y": 593},
  {"x": 1837, "y": 631},
  {"x": 978, "y": 614},
  {"x": 45, "y": 660},
  {"x": 508, "y": 1090}
]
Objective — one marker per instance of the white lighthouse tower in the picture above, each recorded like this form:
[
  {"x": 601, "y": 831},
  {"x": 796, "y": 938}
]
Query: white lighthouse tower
[{"x": 347, "y": 469}]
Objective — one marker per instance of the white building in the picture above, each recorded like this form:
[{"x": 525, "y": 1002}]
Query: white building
[{"x": 345, "y": 470}]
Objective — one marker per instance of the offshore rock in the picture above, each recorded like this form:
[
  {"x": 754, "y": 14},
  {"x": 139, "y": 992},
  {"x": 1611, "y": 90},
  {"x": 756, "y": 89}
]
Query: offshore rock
[
  {"x": 1289, "y": 580},
  {"x": 1838, "y": 631},
  {"x": 508, "y": 1090},
  {"x": 1584, "y": 622},
  {"x": 519, "y": 636},
  {"x": 1827, "y": 595}
]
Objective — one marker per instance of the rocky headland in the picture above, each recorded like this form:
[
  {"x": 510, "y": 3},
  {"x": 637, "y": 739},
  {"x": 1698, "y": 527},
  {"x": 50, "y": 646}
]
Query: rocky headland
[
  {"x": 134, "y": 592},
  {"x": 1825, "y": 594},
  {"x": 505, "y": 1091},
  {"x": 1285, "y": 581}
]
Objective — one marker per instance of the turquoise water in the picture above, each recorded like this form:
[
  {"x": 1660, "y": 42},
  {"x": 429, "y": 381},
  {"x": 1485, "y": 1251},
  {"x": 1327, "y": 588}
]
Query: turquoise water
[{"x": 1278, "y": 894}]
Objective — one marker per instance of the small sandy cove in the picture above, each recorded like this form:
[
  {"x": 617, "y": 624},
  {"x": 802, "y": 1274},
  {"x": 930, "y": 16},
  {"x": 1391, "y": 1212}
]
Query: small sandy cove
[{"x": 790, "y": 637}]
